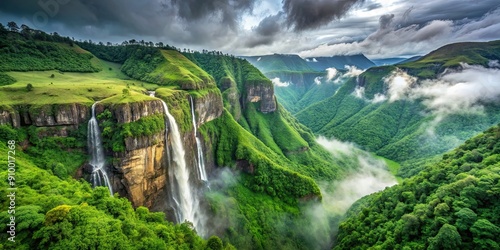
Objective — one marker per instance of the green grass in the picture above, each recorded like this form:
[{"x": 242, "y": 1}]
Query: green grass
[
  {"x": 66, "y": 87},
  {"x": 178, "y": 70},
  {"x": 392, "y": 166}
]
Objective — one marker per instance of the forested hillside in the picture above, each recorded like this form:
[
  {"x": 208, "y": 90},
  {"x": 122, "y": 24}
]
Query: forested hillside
[
  {"x": 392, "y": 112},
  {"x": 453, "y": 204}
]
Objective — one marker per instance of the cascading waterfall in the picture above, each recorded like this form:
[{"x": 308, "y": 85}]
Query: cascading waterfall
[
  {"x": 200, "y": 160},
  {"x": 183, "y": 194},
  {"x": 99, "y": 176}
]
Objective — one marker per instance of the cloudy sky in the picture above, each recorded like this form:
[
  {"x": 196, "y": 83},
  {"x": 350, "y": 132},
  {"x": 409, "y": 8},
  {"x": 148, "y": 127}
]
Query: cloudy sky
[{"x": 377, "y": 28}]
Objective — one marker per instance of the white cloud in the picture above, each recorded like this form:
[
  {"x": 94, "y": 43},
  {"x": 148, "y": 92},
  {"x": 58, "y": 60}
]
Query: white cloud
[
  {"x": 379, "y": 98},
  {"x": 494, "y": 64},
  {"x": 399, "y": 84},
  {"x": 352, "y": 71},
  {"x": 331, "y": 73},
  {"x": 359, "y": 92},
  {"x": 464, "y": 91},
  {"x": 317, "y": 80},
  {"x": 278, "y": 83}
]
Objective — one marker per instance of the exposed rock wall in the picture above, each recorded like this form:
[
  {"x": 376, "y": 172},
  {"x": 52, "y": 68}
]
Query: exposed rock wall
[
  {"x": 71, "y": 114},
  {"x": 208, "y": 107},
  {"x": 263, "y": 93}
]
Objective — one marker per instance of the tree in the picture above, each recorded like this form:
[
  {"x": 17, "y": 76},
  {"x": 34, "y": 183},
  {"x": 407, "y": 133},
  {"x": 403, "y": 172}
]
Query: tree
[
  {"x": 466, "y": 218},
  {"x": 2, "y": 28},
  {"x": 29, "y": 86},
  {"x": 13, "y": 26},
  {"x": 125, "y": 92},
  {"x": 447, "y": 238},
  {"x": 214, "y": 243}
]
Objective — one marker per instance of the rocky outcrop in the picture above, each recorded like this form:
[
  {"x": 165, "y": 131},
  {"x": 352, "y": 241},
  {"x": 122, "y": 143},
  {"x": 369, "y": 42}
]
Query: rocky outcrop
[
  {"x": 263, "y": 93},
  {"x": 50, "y": 115},
  {"x": 10, "y": 118}
]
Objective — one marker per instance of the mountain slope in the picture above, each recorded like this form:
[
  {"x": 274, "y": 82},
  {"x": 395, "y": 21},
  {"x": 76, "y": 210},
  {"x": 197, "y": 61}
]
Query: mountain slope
[
  {"x": 451, "y": 56},
  {"x": 390, "y": 112},
  {"x": 452, "y": 204}
]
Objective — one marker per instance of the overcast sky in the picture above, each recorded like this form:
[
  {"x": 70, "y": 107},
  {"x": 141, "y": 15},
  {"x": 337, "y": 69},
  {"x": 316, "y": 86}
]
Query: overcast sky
[{"x": 310, "y": 28}]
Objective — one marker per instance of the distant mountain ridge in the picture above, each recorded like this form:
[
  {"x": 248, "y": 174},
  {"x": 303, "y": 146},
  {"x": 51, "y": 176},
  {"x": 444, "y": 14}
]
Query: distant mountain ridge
[
  {"x": 339, "y": 62},
  {"x": 279, "y": 62}
]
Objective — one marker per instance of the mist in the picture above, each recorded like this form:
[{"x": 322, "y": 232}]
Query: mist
[
  {"x": 318, "y": 222},
  {"x": 367, "y": 175}
]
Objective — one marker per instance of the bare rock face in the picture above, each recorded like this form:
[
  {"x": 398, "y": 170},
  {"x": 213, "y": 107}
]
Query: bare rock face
[
  {"x": 208, "y": 107},
  {"x": 131, "y": 112},
  {"x": 50, "y": 115},
  {"x": 9, "y": 117},
  {"x": 143, "y": 174},
  {"x": 264, "y": 94}
]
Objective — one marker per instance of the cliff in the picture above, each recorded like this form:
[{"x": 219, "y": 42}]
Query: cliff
[
  {"x": 263, "y": 94},
  {"x": 140, "y": 170},
  {"x": 45, "y": 115}
]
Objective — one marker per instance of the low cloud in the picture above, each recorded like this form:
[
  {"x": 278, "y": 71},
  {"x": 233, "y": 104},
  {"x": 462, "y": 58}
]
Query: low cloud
[
  {"x": 317, "y": 80},
  {"x": 464, "y": 91},
  {"x": 399, "y": 84},
  {"x": 331, "y": 73},
  {"x": 278, "y": 83},
  {"x": 352, "y": 71},
  {"x": 359, "y": 92}
]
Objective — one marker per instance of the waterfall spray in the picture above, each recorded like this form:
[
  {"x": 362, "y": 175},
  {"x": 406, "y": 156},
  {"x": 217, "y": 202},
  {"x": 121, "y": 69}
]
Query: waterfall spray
[{"x": 99, "y": 176}]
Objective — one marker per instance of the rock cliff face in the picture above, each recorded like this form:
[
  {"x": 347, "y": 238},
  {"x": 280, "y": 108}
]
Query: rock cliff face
[
  {"x": 208, "y": 107},
  {"x": 140, "y": 173},
  {"x": 71, "y": 114},
  {"x": 262, "y": 93}
]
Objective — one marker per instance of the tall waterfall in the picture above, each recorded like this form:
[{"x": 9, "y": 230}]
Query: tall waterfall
[
  {"x": 183, "y": 195},
  {"x": 200, "y": 160},
  {"x": 99, "y": 176}
]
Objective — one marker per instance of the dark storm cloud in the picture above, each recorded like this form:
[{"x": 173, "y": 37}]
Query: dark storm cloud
[
  {"x": 310, "y": 14},
  {"x": 423, "y": 12},
  {"x": 229, "y": 10},
  {"x": 186, "y": 21},
  {"x": 266, "y": 32},
  {"x": 137, "y": 17}
]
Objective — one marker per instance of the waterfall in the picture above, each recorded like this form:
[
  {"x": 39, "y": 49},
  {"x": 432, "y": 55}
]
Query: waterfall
[
  {"x": 183, "y": 195},
  {"x": 201, "y": 162},
  {"x": 99, "y": 176}
]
